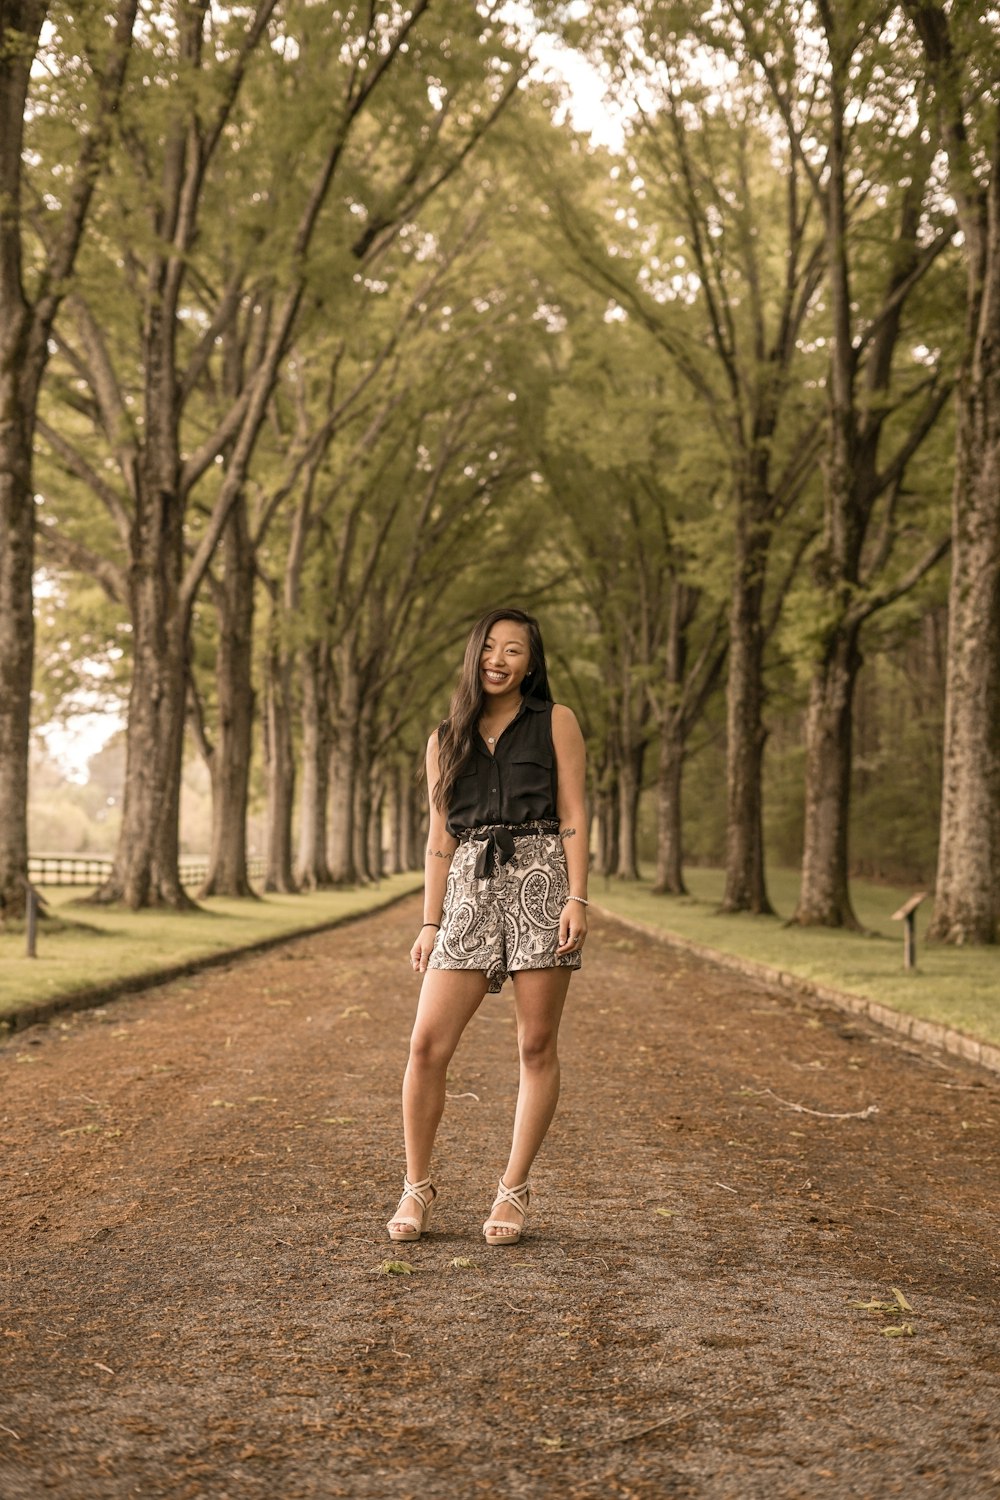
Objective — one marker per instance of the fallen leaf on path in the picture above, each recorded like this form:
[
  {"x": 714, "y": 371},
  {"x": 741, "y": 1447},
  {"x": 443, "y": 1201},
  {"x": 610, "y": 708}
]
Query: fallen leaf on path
[
  {"x": 900, "y": 1330},
  {"x": 904, "y": 1306},
  {"x": 395, "y": 1268},
  {"x": 664, "y": 1213},
  {"x": 463, "y": 1263},
  {"x": 106, "y": 1368},
  {"x": 337, "y": 1120},
  {"x": 222, "y": 1104}
]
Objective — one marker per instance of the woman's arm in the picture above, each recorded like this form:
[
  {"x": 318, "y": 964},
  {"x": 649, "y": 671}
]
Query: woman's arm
[
  {"x": 437, "y": 862},
  {"x": 574, "y": 823}
]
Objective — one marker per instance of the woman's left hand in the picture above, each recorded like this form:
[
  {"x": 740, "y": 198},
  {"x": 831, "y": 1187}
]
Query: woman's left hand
[{"x": 572, "y": 927}]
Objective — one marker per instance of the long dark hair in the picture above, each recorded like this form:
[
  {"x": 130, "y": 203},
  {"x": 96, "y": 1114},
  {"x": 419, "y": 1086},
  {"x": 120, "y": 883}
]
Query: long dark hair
[{"x": 456, "y": 735}]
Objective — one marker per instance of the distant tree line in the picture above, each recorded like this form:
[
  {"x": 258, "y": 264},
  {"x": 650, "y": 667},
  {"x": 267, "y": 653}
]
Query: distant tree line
[{"x": 319, "y": 333}]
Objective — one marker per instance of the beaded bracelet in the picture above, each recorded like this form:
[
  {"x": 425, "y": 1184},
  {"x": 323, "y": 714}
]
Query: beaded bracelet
[{"x": 582, "y": 900}]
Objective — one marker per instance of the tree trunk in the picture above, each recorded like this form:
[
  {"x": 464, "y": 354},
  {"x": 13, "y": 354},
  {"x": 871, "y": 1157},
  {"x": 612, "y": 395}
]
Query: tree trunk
[
  {"x": 412, "y": 855},
  {"x": 824, "y": 896},
  {"x": 745, "y": 889},
  {"x": 342, "y": 773},
  {"x": 362, "y": 817},
  {"x": 375, "y": 860},
  {"x": 24, "y": 352},
  {"x": 230, "y": 759},
  {"x": 279, "y": 764},
  {"x": 397, "y": 817},
  {"x": 629, "y": 788},
  {"x": 17, "y": 626},
  {"x": 312, "y": 869},
  {"x": 607, "y": 823},
  {"x": 145, "y": 865},
  {"x": 967, "y": 892},
  {"x": 669, "y": 866}
]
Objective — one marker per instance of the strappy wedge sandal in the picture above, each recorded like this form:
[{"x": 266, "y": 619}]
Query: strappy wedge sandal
[
  {"x": 425, "y": 1193},
  {"x": 511, "y": 1233}
]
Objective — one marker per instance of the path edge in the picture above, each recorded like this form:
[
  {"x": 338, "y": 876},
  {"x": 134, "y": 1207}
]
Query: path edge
[
  {"x": 928, "y": 1033},
  {"x": 39, "y": 1013}
]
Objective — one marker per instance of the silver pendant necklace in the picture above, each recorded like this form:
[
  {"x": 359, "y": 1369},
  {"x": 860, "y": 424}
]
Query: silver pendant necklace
[{"x": 491, "y": 739}]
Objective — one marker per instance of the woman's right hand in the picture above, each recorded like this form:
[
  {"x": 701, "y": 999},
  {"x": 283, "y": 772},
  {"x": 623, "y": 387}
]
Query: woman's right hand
[{"x": 421, "y": 950}]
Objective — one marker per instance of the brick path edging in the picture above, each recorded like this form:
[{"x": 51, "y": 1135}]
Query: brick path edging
[{"x": 928, "y": 1033}]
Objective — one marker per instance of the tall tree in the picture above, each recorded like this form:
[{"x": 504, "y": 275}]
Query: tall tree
[
  {"x": 715, "y": 252},
  {"x": 617, "y": 439},
  {"x": 313, "y": 105},
  {"x": 962, "y": 49},
  {"x": 862, "y": 140},
  {"x": 28, "y": 308}
]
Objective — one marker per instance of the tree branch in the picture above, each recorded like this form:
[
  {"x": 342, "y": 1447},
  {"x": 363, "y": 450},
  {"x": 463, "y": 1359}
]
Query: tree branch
[{"x": 73, "y": 554}]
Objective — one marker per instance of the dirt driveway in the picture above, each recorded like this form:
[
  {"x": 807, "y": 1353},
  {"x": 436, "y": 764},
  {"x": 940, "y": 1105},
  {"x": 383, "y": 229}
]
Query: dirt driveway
[{"x": 194, "y": 1183}]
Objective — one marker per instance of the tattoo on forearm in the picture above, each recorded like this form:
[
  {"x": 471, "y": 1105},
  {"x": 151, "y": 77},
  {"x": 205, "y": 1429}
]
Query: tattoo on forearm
[
  {"x": 441, "y": 853},
  {"x": 567, "y": 833}
]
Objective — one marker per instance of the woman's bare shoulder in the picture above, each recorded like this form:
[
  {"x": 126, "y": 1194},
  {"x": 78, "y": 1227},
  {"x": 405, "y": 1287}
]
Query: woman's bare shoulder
[{"x": 563, "y": 715}]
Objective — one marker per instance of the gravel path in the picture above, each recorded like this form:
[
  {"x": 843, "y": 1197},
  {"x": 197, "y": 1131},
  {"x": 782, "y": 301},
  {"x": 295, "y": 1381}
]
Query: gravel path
[{"x": 193, "y": 1184}]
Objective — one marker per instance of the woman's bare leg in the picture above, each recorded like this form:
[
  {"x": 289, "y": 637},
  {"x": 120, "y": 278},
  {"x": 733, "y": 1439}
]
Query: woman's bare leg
[
  {"x": 449, "y": 998},
  {"x": 539, "y": 997}
]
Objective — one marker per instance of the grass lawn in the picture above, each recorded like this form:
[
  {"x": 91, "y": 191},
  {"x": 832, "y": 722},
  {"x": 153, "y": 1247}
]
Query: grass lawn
[
  {"x": 954, "y": 986},
  {"x": 108, "y": 944}
]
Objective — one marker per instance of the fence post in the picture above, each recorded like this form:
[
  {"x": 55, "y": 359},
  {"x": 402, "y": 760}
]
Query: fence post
[{"x": 31, "y": 920}]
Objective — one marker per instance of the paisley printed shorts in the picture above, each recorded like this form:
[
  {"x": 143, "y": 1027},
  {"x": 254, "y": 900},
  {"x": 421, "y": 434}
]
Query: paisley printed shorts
[{"x": 510, "y": 920}]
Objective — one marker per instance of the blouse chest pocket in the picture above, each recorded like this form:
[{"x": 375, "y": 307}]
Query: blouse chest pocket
[
  {"x": 465, "y": 798},
  {"x": 530, "y": 773}
]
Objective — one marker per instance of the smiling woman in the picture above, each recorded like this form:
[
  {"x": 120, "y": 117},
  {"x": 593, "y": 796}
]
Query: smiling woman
[{"x": 505, "y": 895}]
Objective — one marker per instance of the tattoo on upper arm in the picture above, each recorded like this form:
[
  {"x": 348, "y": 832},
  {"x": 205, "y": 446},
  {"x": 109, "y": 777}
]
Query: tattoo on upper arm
[{"x": 567, "y": 833}]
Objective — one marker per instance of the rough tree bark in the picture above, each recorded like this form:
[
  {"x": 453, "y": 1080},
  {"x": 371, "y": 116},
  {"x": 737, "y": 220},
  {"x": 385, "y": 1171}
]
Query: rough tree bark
[
  {"x": 279, "y": 765},
  {"x": 376, "y": 862},
  {"x": 629, "y": 790},
  {"x": 967, "y": 892},
  {"x": 825, "y": 897},
  {"x": 25, "y": 329},
  {"x": 343, "y": 870},
  {"x": 669, "y": 843},
  {"x": 412, "y": 790},
  {"x": 363, "y": 794},
  {"x": 312, "y": 871},
  {"x": 745, "y": 888},
  {"x": 229, "y": 757},
  {"x": 396, "y": 818}
]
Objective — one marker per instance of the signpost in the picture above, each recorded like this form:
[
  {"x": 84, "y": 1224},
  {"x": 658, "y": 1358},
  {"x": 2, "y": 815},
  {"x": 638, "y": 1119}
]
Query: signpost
[{"x": 907, "y": 914}]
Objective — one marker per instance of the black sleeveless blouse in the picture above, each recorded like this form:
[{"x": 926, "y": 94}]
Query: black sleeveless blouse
[{"x": 517, "y": 783}]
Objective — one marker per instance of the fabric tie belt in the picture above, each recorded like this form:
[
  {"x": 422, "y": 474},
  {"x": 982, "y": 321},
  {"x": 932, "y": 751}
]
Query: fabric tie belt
[{"x": 497, "y": 840}]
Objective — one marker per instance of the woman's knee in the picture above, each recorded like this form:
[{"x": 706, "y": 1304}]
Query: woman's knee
[
  {"x": 429, "y": 1049},
  {"x": 537, "y": 1046}
]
